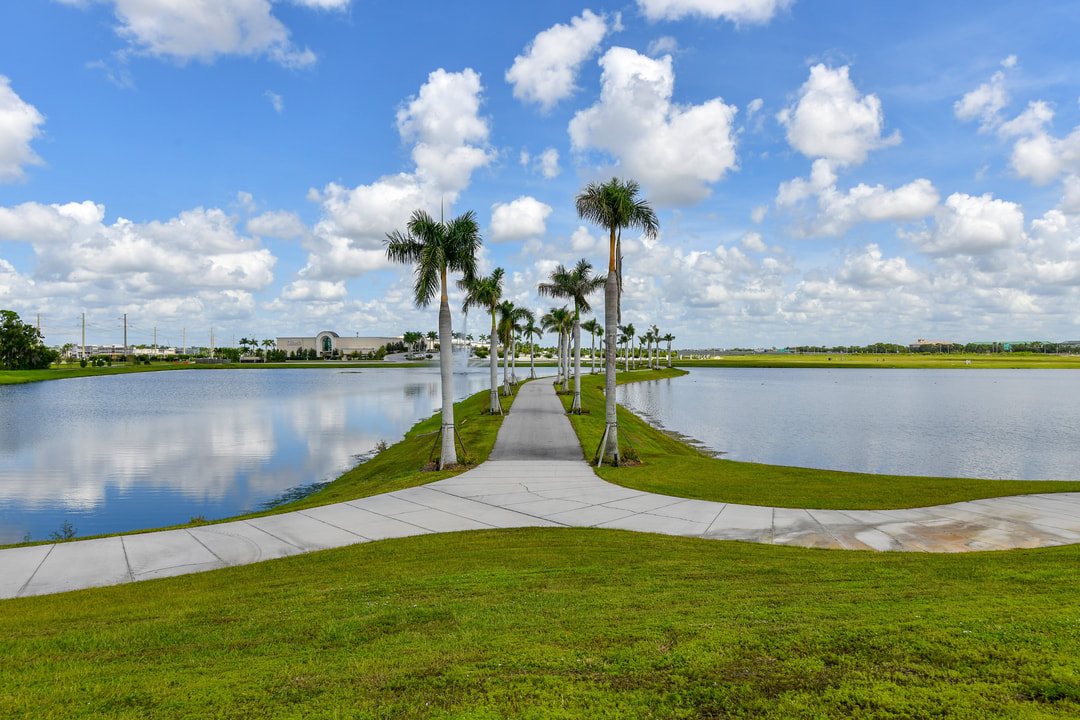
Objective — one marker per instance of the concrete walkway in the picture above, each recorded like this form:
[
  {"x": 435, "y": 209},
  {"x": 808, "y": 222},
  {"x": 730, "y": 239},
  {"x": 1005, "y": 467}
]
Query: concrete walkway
[{"x": 536, "y": 477}]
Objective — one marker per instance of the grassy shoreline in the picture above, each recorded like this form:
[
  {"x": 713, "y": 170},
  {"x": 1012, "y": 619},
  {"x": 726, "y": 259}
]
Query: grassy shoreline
[{"x": 670, "y": 466}]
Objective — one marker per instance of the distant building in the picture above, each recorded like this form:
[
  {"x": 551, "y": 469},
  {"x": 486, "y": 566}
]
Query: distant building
[
  {"x": 328, "y": 343},
  {"x": 921, "y": 345}
]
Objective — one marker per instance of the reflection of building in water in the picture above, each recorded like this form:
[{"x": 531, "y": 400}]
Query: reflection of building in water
[{"x": 330, "y": 344}]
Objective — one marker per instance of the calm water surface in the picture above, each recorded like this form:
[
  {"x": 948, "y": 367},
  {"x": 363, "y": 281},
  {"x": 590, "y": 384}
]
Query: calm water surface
[
  {"x": 1014, "y": 424},
  {"x": 124, "y": 452}
]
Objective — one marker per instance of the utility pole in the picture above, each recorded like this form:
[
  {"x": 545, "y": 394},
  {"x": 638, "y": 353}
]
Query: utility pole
[
  {"x": 155, "y": 336},
  {"x": 211, "y": 342},
  {"x": 125, "y": 335},
  {"x": 183, "y": 350},
  {"x": 82, "y": 353}
]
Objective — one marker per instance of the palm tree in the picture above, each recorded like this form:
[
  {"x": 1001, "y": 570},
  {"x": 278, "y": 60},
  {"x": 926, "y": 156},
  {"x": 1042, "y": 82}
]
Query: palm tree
[
  {"x": 432, "y": 336},
  {"x": 669, "y": 337},
  {"x": 268, "y": 344},
  {"x": 506, "y": 337},
  {"x": 575, "y": 285},
  {"x": 522, "y": 316},
  {"x": 437, "y": 248},
  {"x": 628, "y": 332},
  {"x": 558, "y": 319},
  {"x": 486, "y": 292},
  {"x": 531, "y": 330},
  {"x": 614, "y": 205},
  {"x": 592, "y": 327},
  {"x": 655, "y": 333},
  {"x": 408, "y": 339}
]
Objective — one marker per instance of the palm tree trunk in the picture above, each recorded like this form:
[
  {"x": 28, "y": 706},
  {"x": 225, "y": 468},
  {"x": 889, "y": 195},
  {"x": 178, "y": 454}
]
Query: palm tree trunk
[
  {"x": 448, "y": 452},
  {"x": 575, "y": 406},
  {"x": 513, "y": 361},
  {"x": 611, "y": 314},
  {"x": 506, "y": 369},
  {"x": 566, "y": 355},
  {"x": 669, "y": 354},
  {"x": 493, "y": 355},
  {"x": 592, "y": 352},
  {"x": 532, "y": 360}
]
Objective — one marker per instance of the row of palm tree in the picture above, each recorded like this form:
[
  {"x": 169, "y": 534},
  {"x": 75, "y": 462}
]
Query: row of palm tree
[{"x": 437, "y": 248}]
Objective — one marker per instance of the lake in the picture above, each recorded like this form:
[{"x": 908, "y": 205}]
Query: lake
[
  {"x": 126, "y": 452},
  {"x": 1011, "y": 424}
]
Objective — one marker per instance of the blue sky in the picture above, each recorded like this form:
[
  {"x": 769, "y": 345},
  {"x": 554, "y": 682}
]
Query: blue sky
[{"x": 824, "y": 172}]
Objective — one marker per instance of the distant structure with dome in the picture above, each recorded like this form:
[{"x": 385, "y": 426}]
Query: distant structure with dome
[{"x": 329, "y": 344}]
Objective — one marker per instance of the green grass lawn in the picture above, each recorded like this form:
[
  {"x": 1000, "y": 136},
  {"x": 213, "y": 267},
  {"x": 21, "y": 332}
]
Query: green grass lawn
[
  {"x": 561, "y": 623},
  {"x": 670, "y": 467}
]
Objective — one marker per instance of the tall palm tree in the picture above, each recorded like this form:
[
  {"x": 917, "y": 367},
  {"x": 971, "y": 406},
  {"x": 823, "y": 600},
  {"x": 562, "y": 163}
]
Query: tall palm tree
[
  {"x": 669, "y": 337},
  {"x": 614, "y": 205},
  {"x": 531, "y": 330},
  {"x": 575, "y": 285},
  {"x": 485, "y": 292},
  {"x": 437, "y": 248},
  {"x": 592, "y": 327},
  {"x": 654, "y": 333},
  {"x": 432, "y": 336}
]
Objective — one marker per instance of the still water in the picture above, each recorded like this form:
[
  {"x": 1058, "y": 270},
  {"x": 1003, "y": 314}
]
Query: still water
[
  {"x": 1012, "y": 424},
  {"x": 125, "y": 452}
]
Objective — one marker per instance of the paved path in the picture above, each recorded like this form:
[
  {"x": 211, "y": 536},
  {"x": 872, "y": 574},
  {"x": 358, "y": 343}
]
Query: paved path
[{"x": 536, "y": 477}]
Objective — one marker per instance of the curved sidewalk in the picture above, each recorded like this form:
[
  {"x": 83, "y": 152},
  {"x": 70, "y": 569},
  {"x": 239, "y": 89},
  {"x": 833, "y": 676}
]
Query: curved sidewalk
[{"x": 536, "y": 477}]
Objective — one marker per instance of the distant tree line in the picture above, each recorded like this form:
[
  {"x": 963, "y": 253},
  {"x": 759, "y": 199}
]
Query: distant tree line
[{"x": 984, "y": 348}]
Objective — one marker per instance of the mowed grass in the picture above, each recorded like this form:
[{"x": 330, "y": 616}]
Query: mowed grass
[
  {"x": 670, "y": 467},
  {"x": 561, "y": 623},
  {"x": 66, "y": 370}
]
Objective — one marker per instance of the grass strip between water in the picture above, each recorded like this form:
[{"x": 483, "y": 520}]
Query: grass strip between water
[{"x": 671, "y": 467}]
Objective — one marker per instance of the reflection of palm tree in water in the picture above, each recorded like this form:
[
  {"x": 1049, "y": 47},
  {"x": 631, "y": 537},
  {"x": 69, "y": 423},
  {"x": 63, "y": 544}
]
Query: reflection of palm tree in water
[{"x": 415, "y": 390}]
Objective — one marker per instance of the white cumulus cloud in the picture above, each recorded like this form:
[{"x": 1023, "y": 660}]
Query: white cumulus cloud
[
  {"x": 547, "y": 72},
  {"x": 523, "y": 218},
  {"x": 970, "y": 225},
  {"x": 449, "y": 143},
  {"x": 198, "y": 250},
  {"x": 833, "y": 120},
  {"x": 20, "y": 123},
  {"x": 736, "y": 11},
  {"x": 869, "y": 268},
  {"x": 450, "y": 135},
  {"x": 837, "y": 211},
  {"x": 675, "y": 151},
  {"x": 203, "y": 30}
]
